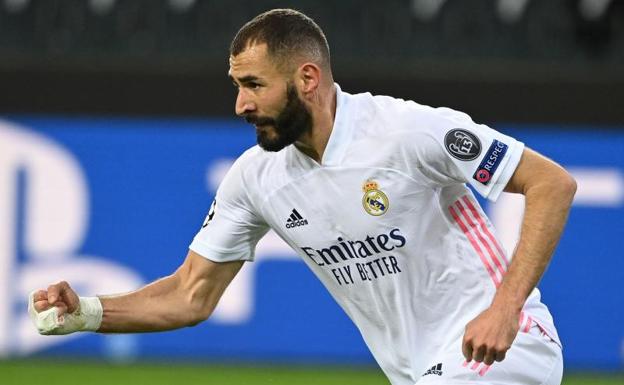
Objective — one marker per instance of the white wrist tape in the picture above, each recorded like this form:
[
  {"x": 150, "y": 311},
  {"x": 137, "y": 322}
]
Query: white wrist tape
[{"x": 88, "y": 317}]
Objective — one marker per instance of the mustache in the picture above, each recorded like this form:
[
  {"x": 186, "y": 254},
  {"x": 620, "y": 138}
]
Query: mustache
[{"x": 259, "y": 120}]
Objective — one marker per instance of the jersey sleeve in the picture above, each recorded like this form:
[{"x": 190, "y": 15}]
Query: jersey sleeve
[
  {"x": 457, "y": 150},
  {"x": 232, "y": 227}
]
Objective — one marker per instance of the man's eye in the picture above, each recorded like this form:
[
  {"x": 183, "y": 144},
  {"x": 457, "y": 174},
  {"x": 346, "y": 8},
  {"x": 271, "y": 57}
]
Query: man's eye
[{"x": 253, "y": 85}]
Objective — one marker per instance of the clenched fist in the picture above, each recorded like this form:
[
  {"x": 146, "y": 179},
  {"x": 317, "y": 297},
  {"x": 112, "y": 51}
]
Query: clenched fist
[
  {"x": 59, "y": 310},
  {"x": 489, "y": 336}
]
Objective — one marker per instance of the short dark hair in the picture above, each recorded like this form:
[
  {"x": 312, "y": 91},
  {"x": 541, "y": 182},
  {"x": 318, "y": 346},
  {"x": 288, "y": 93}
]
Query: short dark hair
[{"x": 285, "y": 32}]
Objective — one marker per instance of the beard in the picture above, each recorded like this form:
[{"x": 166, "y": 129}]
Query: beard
[{"x": 290, "y": 124}]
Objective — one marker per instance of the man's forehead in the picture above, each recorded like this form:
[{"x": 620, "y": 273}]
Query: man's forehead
[{"x": 253, "y": 57}]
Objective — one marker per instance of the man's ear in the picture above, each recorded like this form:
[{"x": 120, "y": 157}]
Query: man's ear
[{"x": 309, "y": 78}]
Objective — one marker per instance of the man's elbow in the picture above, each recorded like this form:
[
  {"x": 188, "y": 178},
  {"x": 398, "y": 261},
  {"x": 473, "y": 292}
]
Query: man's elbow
[
  {"x": 197, "y": 318},
  {"x": 556, "y": 184},
  {"x": 198, "y": 312},
  {"x": 567, "y": 185},
  {"x": 199, "y": 306}
]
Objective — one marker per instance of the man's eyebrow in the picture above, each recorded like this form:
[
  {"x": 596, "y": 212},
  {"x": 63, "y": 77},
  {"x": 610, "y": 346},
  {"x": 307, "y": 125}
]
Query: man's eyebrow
[{"x": 246, "y": 79}]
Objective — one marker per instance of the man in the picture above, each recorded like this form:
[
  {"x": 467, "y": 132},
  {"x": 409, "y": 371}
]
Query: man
[{"x": 370, "y": 191}]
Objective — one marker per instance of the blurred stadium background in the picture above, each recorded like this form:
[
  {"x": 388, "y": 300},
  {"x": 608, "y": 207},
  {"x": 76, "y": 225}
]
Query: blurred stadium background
[{"x": 117, "y": 124}]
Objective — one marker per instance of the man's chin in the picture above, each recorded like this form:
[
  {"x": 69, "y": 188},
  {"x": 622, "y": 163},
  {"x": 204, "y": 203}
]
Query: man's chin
[{"x": 270, "y": 145}]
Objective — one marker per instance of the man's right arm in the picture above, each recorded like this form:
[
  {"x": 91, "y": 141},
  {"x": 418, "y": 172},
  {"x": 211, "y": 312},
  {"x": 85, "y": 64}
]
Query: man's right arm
[{"x": 184, "y": 298}]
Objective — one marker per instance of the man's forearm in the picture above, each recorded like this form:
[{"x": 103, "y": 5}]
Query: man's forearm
[
  {"x": 184, "y": 298},
  {"x": 546, "y": 210},
  {"x": 156, "y": 307}
]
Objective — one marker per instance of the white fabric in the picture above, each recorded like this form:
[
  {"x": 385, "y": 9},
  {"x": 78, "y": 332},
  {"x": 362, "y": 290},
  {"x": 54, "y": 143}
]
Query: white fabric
[
  {"x": 88, "y": 317},
  {"x": 535, "y": 359},
  {"x": 393, "y": 256}
]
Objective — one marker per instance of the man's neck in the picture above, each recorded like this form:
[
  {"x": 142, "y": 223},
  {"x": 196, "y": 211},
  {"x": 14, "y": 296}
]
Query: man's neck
[{"x": 315, "y": 142}]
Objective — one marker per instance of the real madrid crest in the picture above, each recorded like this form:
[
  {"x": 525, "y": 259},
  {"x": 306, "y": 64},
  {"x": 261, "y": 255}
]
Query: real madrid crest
[{"x": 375, "y": 202}]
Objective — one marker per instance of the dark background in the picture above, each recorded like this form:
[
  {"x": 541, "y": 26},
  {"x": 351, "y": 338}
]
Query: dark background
[{"x": 549, "y": 61}]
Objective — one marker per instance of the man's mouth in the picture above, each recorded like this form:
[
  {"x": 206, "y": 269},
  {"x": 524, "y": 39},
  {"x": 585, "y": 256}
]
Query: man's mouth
[
  {"x": 262, "y": 127},
  {"x": 259, "y": 122}
]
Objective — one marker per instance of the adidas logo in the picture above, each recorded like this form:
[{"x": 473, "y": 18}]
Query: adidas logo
[
  {"x": 435, "y": 369},
  {"x": 295, "y": 220}
]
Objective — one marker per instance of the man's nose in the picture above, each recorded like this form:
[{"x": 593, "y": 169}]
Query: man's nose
[{"x": 244, "y": 104}]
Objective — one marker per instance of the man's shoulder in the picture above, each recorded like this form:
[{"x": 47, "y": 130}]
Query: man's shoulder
[
  {"x": 381, "y": 100},
  {"x": 386, "y": 116},
  {"x": 394, "y": 108}
]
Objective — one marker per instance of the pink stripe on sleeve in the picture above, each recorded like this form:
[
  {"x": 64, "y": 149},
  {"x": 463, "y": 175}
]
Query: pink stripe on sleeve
[
  {"x": 484, "y": 243},
  {"x": 475, "y": 245},
  {"x": 487, "y": 232}
]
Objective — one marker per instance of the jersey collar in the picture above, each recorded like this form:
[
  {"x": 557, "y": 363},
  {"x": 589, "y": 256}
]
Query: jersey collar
[{"x": 341, "y": 131}]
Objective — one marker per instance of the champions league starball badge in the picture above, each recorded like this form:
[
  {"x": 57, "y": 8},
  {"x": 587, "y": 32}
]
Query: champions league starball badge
[{"x": 375, "y": 202}]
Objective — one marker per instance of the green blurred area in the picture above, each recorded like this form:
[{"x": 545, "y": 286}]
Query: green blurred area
[{"x": 35, "y": 372}]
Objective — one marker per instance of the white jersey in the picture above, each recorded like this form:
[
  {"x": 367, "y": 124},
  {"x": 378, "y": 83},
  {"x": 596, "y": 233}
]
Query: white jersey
[{"x": 385, "y": 221}]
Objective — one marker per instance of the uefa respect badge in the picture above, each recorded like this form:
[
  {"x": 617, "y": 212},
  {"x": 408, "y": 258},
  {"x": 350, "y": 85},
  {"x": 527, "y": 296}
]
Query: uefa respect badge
[{"x": 490, "y": 162}]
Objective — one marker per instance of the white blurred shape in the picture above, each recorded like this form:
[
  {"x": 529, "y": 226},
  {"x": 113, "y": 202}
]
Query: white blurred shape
[
  {"x": 101, "y": 7},
  {"x": 56, "y": 196},
  {"x": 598, "y": 187},
  {"x": 15, "y": 6},
  {"x": 593, "y": 10},
  {"x": 426, "y": 10},
  {"x": 510, "y": 11},
  {"x": 181, "y": 6}
]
